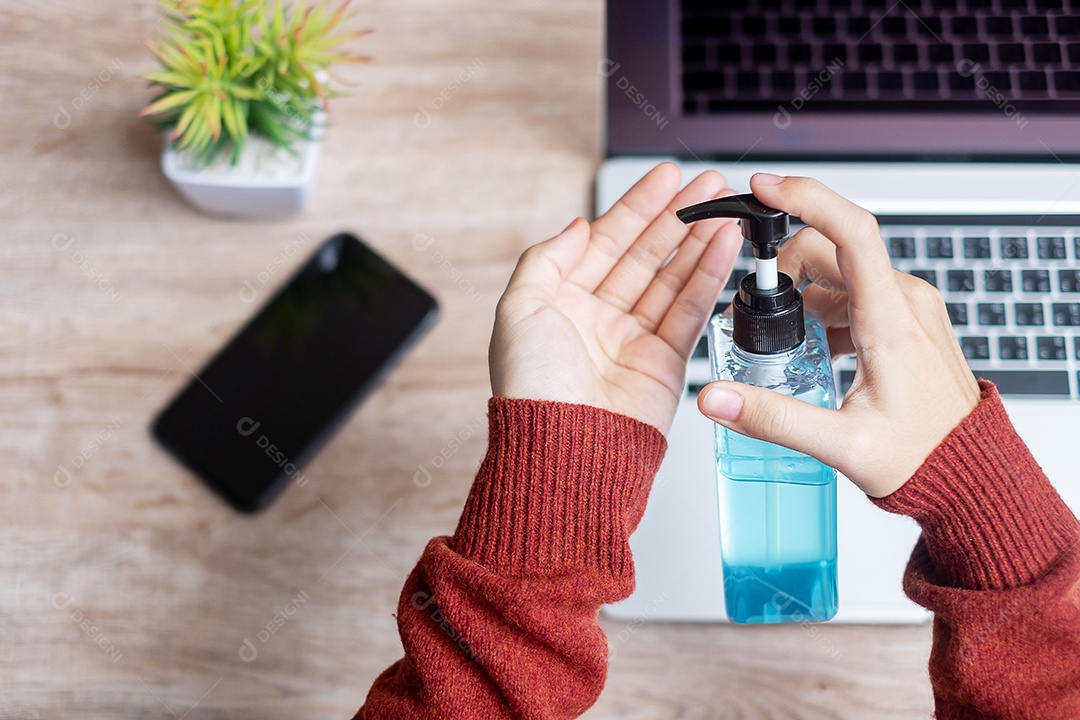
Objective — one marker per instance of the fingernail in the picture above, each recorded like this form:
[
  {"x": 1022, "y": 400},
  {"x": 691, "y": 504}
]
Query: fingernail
[
  {"x": 767, "y": 179},
  {"x": 572, "y": 223},
  {"x": 721, "y": 404}
]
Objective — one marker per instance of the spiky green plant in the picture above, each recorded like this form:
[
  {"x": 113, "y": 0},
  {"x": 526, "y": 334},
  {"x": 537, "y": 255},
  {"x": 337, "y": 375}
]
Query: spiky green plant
[{"x": 235, "y": 67}]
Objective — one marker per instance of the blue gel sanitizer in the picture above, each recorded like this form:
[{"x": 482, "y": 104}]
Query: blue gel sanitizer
[{"x": 777, "y": 506}]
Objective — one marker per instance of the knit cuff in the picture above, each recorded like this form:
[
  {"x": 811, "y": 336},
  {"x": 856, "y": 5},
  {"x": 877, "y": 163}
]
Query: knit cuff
[
  {"x": 991, "y": 519},
  {"x": 561, "y": 488}
]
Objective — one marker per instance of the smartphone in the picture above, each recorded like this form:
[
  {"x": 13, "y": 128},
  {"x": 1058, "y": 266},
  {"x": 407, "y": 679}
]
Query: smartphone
[{"x": 263, "y": 406}]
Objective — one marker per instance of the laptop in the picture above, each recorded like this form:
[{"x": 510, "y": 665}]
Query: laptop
[{"x": 958, "y": 124}]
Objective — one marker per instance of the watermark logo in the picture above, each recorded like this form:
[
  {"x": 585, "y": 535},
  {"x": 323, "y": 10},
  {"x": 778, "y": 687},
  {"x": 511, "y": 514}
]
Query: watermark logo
[
  {"x": 249, "y": 291},
  {"x": 607, "y": 69},
  {"x": 782, "y": 119},
  {"x": 422, "y": 243},
  {"x": 967, "y": 67},
  {"x": 62, "y": 118},
  {"x": 422, "y": 477},
  {"x": 247, "y": 427},
  {"x": 422, "y": 118},
  {"x": 248, "y": 650},
  {"x": 64, "y": 243},
  {"x": 63, "y": 477},
  {"x": 62, "y": 601},
  {"x": 421, "y": 601}
]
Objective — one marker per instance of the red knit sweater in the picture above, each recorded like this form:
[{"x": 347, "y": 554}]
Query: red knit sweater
[{"x": 500, "y": 620}]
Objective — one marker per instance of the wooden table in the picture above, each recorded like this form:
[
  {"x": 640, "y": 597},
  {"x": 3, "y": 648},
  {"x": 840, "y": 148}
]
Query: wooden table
[{"x": 126, "y": 589}]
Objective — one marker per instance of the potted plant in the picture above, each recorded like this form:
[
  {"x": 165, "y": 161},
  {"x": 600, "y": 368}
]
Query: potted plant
[{"x": 244, "y": 85}]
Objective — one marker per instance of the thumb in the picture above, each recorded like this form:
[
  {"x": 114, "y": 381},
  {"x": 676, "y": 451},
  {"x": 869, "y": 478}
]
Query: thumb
[{"x": 770, "y": 416}]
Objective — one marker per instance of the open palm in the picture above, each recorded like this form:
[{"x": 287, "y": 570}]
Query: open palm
[{"x": 608, "y": 314}]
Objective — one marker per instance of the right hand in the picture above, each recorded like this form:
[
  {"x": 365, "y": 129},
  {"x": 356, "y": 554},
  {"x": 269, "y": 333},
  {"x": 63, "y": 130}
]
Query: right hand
[{"x": 912, "y": 384}]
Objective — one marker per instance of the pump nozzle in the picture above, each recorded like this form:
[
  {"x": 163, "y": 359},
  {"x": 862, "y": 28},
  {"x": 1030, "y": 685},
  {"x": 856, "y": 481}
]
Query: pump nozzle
[{"x": 768, "y": 309}]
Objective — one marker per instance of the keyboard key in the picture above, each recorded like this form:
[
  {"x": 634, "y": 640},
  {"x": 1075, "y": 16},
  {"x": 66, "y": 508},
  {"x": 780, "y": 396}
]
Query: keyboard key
[
  {"x": 799, "y": 53},
  {"x": 999, "y": 25},
  {"x": 870, "y": 54},
  {"x": 958, "y": 313},
  {"x": 929, "y": 276},
  {"x": 991, "y": 313},
  {"x": 1050, "y": 348},
  {"x": 1033, "y": 80},
  {"x": 854, "y": 82},
  {"x": 1067, "y": 25},
  {"x": 895, "y": 24},
  {"x": 1012, "y": 348},
  {"x": 901, "y": 247},
  {"x": 1069, "y": 281},
  {"x": 939, "y": 247},
  {"x": 905, "y": 54},
  {"x": 784, "y": 81},
  {"x": 694, "y": 389},
  {"x": 1076, "y": 347},
  {"x": 1046, "y": 53},
  {"x": 1012, "y": 53},
  {"x": 824, "y": 25},
  {"x": 1029, "y": 314},
  {"x": 940, "y": 52},
  {"x": 1035, "y": 25},
  {"x": 1035, "y": 281},
  {"x": 789, "y": 25},
  {"x": 701, "y": 350},
  {"x": 976, "y": 248},
  {"x": 1066, "y": 314},
  {"x": 1051, "y": 248},
  {"x": 998, "y": 80},
  {"x": 977, "y": 52},
  {"x": 747, "y": 81},
  {"x": 1076, "y": 246},
  {"x": 975, "y": 347},
  {"x": 1028, "y": 382},
  {"x": 1067, "y": 81},
  {"x": 891, "y": 82},
  {"x": 997, "y": 280},
  {"x": 961, "y": 281},
  {"x": 763, "y": 53},
  {"x": 754, "y": 25},
  {"x": 926, "y": 80},
  {"x": 965, "y": 25},
  {"x": 1013, "y": 248},
  {"x": 859, "y": 26}
]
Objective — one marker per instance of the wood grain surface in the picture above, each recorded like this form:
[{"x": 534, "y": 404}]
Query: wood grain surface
[{"x": 126, "y": 589}]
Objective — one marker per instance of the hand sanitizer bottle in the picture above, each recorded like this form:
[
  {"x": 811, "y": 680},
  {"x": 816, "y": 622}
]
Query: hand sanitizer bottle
[{"x": 777, "y": 506}]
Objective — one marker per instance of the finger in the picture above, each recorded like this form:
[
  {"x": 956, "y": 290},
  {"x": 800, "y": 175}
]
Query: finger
[
  {"x": 781, "y": 419},
  {"x": 635, "y": 270},
  {"x": 673, "y": 277},
  {"x": 690, "y": 309},
  {"x": 809, "y": 255},
  {"x": 829, "y": 305},
  {"x": 615, "y": 231},
  {"x": 860, "y": 254},
  {"x": 544, "y": 266}
]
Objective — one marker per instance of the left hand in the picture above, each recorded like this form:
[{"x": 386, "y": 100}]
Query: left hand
[{"x": 595, "y": 315}]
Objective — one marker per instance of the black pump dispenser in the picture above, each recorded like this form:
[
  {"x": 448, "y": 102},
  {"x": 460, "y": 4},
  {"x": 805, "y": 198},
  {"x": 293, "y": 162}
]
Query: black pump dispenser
[{"x": 767, "y": 320}]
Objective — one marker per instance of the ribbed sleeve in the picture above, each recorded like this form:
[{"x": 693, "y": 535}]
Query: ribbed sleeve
[
  {"x": 562, "y": 488},
  {"x": 990, "y": 518}
]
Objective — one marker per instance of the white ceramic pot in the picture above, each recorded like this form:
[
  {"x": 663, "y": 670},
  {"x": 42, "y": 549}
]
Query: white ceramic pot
[{"x": 267, "y": 182}]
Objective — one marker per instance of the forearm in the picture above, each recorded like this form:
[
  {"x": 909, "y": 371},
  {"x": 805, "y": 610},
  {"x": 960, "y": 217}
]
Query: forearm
[
  {"x": 999, "y": 565},
  {"x": 501, "y": 619}
]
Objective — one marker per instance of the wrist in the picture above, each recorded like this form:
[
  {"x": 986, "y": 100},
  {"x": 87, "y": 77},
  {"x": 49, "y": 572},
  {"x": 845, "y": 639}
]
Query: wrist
[{"x": 562, "y": 486}]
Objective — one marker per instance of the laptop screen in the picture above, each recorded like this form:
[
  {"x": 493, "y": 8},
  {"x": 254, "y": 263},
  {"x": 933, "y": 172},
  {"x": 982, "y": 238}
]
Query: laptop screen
[{"x": 965, "y": 78}]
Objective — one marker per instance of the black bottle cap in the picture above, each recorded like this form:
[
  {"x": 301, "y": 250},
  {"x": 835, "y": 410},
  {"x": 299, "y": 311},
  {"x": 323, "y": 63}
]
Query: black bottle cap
[{"x": 766, "y": 321}]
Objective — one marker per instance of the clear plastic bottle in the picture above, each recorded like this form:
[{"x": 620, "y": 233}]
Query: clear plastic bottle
[{"x": 777, "y": 506}]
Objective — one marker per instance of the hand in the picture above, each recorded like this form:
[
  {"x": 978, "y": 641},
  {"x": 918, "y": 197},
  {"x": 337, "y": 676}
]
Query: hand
[
  {"x": 595, "y": 316},
  {"x": 912, "y": 385}
]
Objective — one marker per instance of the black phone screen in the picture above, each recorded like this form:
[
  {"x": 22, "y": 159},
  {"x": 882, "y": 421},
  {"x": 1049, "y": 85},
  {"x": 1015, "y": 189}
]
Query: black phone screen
[{"x": 248, "y": 420}]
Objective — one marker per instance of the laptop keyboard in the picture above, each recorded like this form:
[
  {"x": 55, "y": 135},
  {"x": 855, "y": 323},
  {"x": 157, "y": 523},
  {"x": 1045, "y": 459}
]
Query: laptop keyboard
[
  {"x": 835, "y": 53},
  {"x": 1011, "y": 292}
]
